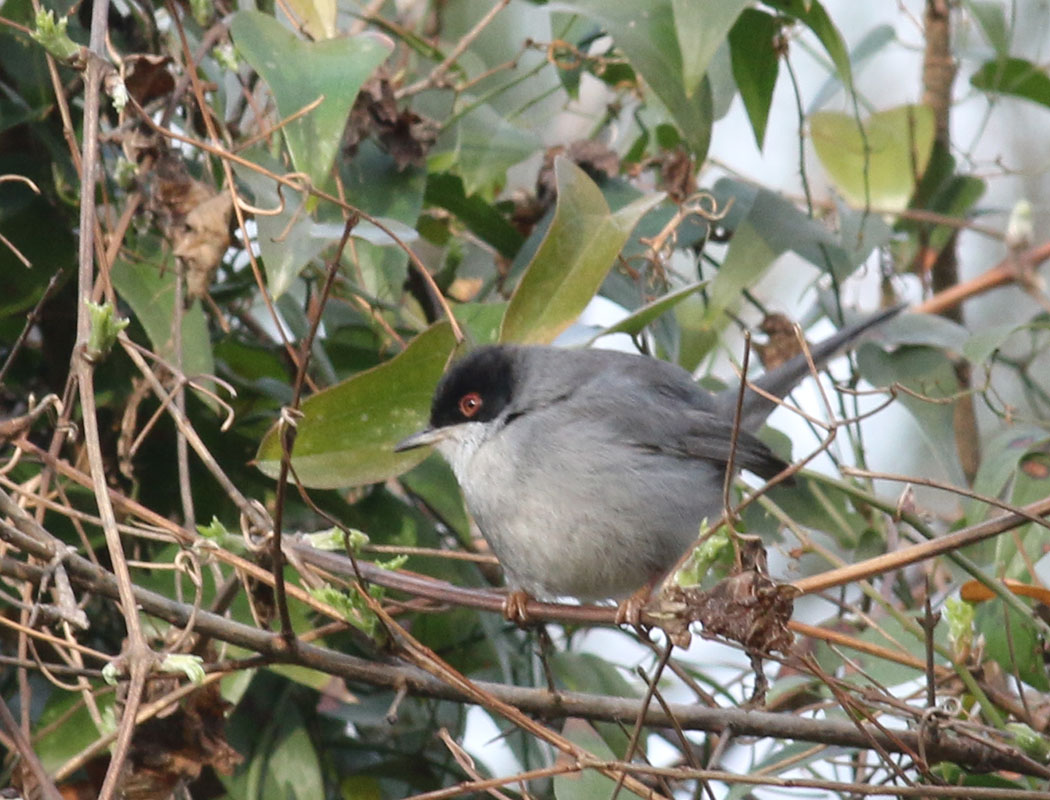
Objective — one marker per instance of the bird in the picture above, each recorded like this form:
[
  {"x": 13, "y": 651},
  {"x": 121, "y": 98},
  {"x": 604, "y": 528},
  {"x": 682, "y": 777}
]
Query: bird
[{"x": 590, "y": 471}]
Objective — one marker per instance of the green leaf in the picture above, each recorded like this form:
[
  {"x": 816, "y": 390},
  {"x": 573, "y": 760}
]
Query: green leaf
[
  {"x": 581, "y": 244},
  {"x": 755, "y": 65},
  {"x": 701, "y": 27},
  {"x": 586, "y": 672},
  {"x": 748, "y": 257},
  {"x": 185, "y": 664},
  {"x": 932, "y": 330},
  {"x": 481, "y": 146},
  {"x": 785, "y": 227},
  {"x": 285, "y": 764},
  {"x": 1014, "y": 76},
  {"x": 286, "y": 243},
  {"x": 637, "y": 321},
  {"x": 151, "y": 295},
  {"x": 1011, "y": 640},
  {"x": 880, "y": 166},
  {"x": 446, "y": 191},
  {"x": 992, "y": 22},
  {"x": 480, "y": 321},
  {"x": 646, "y": 33},
  {"x": 986, "y": 341},
  {"x": 67, "y": 727},
  {"x": 1001, "y": 454},
  {"x": 299, "y": 73},
  {"x": 36, "y": 228},
  {"x": 52, "y": 35},
  {"x": 318, "y": 17},
  {"x": 105, "y": 327},
  {"x": 375, "y": 183},
  {"x": 930, "y": 374},
  {"x": 588, "y": 783},
  {"x": 347, "y": 433}
]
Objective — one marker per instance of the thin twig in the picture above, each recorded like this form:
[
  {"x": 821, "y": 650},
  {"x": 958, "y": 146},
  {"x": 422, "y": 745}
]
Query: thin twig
[
  {"x": 437, "y": 75},
  {"x": 288, "y": 432},
  {"x": 31, "y": 319}
]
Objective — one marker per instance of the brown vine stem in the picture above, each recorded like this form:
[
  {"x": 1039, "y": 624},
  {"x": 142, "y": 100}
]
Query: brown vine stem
[
  {"x": 257, "y": 517},
  {"x": 427, "y": 660},
  {"x": 1005, "y": 272},
  {"x": 442, "y": 591},
  {"x": 541, "y": 702},
  {"x": 922, "y": 551},
  {"x": 137, "y": 655},
  {"x": 25, "y": 750}
]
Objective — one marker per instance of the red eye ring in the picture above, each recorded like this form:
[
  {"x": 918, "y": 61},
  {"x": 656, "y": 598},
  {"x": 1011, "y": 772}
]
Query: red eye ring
[{"x": 470, "y": 404}]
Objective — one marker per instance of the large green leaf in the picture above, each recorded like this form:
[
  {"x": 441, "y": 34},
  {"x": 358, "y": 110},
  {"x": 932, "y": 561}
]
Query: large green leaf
[
  {"x": 647, "y": 35},
  {"x": 701, "y": 27},
  {"x": 375, "y": 183},
  {"x": 783, "y": 226},
  {"x": 1000, "y": 455},
  {"x": 57, "y": 743},
  {"x": 870, "y": 45},
  {"x": 347, "y": 433},
  {"x": 42, "y": 237},
  {"x": 756, "y": 65},
  {"x": 879, "y": 166},
  {"x": 300, "y": 72},
  {"x": 581, "y": 244},
  {"x": 1014, "y": 76},
  {"x": 749, "y": 256},
  {"x": 1012, "y": 641},
  {"x": 285, "y": 764}
]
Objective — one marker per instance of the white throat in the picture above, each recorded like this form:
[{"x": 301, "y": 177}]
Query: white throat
[{"x": 461, "y": 444}]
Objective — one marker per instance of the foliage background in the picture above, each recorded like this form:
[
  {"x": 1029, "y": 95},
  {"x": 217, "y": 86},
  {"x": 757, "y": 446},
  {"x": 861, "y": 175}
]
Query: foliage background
[{"x": 287, "y": 208}]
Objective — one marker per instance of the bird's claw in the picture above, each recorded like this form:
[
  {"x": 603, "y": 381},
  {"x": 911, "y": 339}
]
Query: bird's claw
[
  {"x": 629, "y": 612},
  {"x": 515, "y": 608}
]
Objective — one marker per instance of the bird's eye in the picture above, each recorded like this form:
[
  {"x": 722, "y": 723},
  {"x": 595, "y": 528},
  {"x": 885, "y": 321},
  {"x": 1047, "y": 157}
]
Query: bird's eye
[{"x": 470, "y": 404}]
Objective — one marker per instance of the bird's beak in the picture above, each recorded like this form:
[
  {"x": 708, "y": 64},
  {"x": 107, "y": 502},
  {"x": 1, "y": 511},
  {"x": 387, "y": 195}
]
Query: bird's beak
[{"x": 427, "y": 436}]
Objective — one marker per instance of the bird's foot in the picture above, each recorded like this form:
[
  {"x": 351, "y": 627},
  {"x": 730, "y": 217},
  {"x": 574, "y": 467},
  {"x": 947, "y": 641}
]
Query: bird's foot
[
  {"x": 629, "y": 612},
  {"x": 514, "y": 608}
]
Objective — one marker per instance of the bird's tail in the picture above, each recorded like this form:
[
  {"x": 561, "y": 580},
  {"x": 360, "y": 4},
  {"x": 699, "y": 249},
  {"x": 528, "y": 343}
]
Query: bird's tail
[{"x": 782, "y": 379}]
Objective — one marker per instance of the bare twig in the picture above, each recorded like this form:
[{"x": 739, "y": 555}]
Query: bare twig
[
  {"x": 437, "y": 75},
  {"x": 540, "y": 702},
  {"x": 25, "y": 750}
]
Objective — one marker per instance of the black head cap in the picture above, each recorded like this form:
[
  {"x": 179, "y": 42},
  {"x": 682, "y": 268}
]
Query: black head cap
[{"x": 477, "y": 388}]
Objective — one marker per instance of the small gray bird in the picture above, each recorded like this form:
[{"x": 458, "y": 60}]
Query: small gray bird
[{"x": 590, "y": 471}]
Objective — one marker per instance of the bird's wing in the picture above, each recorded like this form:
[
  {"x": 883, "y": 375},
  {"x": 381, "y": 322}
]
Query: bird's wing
[{"x": 660, "y": 415}]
